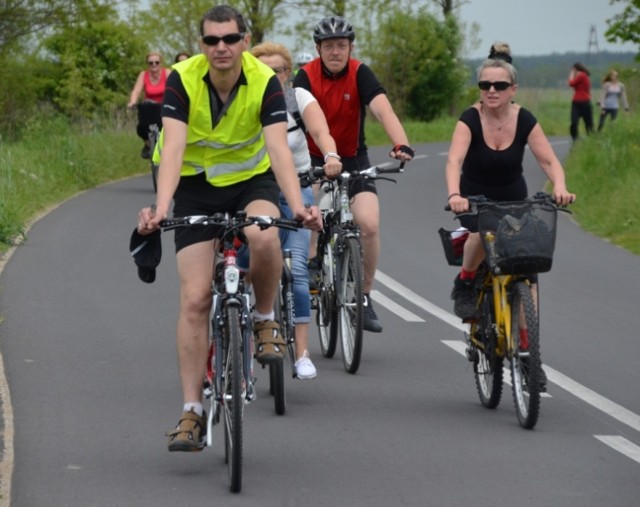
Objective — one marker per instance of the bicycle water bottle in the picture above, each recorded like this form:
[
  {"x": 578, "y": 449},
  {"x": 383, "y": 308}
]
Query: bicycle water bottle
[
  {"x": 492, "y": 256},
  {"x": 345, "y": 213}
]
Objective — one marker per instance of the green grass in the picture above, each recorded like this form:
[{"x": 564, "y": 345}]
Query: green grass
[
  {"x": 54, "y": 161},
  {"x": 604, "y": 171}
]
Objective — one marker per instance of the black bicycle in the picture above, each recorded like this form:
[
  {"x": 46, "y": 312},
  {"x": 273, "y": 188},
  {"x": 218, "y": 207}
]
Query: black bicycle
[
  {"x": 339, "y": 298},
  {"x": 230, "y": 383},
  {"x": 285, "y": 315},
  {"x": 150, "y": 114}
]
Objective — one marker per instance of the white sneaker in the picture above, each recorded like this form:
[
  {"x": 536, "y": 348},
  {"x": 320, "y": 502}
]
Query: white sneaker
[{"x": 304, "y": 367}]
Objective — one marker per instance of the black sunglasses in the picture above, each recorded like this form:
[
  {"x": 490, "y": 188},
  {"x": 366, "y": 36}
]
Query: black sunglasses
[
  {"x": 230, "y": 38},
  {"x": 154, "y": 62},
  {"x": 499, "y": 86}
]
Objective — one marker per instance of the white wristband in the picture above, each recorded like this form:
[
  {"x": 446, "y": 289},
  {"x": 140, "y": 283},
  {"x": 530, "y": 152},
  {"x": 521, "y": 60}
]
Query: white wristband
[{"x": 332, "y": 155}]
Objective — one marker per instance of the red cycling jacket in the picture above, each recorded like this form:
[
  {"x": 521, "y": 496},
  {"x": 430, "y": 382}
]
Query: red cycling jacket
[{"x": 340, "y": 101}]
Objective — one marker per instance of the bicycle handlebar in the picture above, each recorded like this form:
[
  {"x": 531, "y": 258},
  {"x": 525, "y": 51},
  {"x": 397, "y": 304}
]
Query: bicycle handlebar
[
  {"x": 230, "y": 223},
  {"x": 317, "y": 174},
  {"x": 478, "y": 201}
]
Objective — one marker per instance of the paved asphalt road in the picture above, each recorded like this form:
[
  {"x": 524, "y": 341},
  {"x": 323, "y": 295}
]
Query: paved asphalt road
[{"x": 89, "y": 357}]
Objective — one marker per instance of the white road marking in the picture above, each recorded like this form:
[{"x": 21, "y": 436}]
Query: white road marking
[
  {"x": 621, "y": 445},
  {"x": 421, "y": 302},
  {"x": 391, "y": 305},
  {"x": 587, "y": 395}
]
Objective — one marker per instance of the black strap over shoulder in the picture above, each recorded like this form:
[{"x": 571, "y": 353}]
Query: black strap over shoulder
[{"x": 293, "y": 109}]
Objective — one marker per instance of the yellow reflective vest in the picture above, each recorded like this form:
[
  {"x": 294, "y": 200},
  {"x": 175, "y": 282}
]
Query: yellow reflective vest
[{"x": 235, "y": 149}]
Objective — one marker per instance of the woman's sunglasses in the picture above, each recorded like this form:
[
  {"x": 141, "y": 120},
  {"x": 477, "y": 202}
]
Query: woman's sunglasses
[
  {"x": 230, "y": 38},
  {"x": 498, "y": 86},
  {"x": 154, "y": 62}
]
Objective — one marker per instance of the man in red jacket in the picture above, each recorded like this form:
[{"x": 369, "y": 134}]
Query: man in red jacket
[{"x": 344, "y": 87}]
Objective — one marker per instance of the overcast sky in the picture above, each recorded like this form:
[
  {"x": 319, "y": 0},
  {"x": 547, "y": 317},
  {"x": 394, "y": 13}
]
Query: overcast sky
[{"x": 535, "y": 27}]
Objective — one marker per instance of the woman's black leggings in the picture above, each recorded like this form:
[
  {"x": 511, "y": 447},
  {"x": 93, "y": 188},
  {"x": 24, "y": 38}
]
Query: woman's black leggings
[{"x": 582, "y": 110}]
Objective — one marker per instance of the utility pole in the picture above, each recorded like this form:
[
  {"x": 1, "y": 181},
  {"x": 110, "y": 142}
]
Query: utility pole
[{"x": 593, "y": 43}]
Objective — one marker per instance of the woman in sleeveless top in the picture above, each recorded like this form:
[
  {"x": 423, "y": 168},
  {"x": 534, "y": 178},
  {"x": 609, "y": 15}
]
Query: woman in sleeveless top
[
  {"x": 150, "y": 84},
  {"x": 485, "y": 157}
]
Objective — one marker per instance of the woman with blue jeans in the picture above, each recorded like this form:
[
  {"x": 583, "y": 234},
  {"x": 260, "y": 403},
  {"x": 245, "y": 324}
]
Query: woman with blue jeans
[{"x": 304, "y": 113}]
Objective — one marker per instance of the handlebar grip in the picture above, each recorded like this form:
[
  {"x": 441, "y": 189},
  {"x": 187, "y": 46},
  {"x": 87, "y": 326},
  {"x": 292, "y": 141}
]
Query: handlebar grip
[{"x": 289, "y": 223}]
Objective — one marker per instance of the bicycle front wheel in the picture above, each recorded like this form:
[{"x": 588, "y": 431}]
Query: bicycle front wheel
[
  {"x": 526, "y": 364},
  {"x": 350, "y": 304},
  {"x": 234, "y": 389},
  {"x": 326, "y": 317},
  {"x": 488, "y": 364}
]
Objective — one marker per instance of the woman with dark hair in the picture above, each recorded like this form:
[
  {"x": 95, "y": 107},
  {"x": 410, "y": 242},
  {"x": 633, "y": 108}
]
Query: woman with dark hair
[{"x": 581, "y": 106}]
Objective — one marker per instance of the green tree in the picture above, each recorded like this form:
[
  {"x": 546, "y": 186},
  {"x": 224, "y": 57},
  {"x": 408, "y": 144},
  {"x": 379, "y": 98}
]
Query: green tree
[
  {"x": 625, "y": 27},
  {"x": 20, "y": 19},
  {"x": 416, "y": 56},
  {"x": 97, "y": 56}
]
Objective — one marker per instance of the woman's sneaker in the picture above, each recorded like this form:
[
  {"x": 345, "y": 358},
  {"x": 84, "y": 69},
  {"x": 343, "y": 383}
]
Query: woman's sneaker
[
  {"x": 464, "y": 298},
  {"x": 305, "y": 370}
]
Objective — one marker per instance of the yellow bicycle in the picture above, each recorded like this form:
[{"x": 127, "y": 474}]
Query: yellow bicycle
[{"x": 519, "y": 240}]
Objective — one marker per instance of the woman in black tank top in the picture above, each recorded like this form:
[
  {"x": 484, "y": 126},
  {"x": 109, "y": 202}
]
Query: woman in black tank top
[{"x": 485, "y": 157}]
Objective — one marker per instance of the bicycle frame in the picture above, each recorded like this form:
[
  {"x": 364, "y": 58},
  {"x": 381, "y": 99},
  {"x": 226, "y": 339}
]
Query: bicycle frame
[{"x": 500, "y": 291}]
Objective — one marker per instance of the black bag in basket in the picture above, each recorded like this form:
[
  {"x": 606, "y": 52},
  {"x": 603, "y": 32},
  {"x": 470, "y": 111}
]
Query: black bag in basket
[{"x": 525, "y": 244}]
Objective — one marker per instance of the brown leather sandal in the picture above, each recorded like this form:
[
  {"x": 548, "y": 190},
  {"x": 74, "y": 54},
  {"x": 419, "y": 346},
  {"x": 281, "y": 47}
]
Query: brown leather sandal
[
  {"x": 189, "y": 434},
  {"x": 270, "y": 346}
]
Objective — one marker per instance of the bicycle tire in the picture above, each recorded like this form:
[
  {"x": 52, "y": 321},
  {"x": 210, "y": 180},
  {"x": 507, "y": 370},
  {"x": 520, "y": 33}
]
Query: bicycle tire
[
  {"x": 351, "y": 303},
  {"x": 276, "y": 370},
  {"x": 276, "y": 383},
  {"x": 153, "y": 139},
  {"x": 526, "y": 367},
  {"x": 488, "y": 368},
  {"x": 326, "y": 316},
  {"x": 154, "y": 176},
  {"x": 234, "y": 388}
]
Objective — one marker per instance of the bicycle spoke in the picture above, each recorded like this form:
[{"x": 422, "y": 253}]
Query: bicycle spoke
[
  {"x": 488, "y": 368},
  {"x": 351, "y": 311}
]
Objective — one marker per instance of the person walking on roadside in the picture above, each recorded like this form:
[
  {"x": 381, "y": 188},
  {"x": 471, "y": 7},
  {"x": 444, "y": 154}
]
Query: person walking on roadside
[
  {"x": 612, "y": 95},
  {"x": 581, "y": 106},
  {"x": 344, "y": 87}
]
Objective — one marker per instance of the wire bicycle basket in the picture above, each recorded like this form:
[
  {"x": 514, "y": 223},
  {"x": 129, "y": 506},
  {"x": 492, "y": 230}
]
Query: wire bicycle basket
[{"x": 518, "y": 237}]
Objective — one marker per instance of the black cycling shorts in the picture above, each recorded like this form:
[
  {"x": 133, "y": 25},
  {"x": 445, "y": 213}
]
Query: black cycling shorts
[{"x": 196, "y": 196}]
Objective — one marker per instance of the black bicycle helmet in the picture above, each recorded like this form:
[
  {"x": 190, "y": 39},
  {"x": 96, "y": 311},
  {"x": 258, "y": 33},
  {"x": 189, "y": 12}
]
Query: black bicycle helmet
[{"x": 333, "y": 27}]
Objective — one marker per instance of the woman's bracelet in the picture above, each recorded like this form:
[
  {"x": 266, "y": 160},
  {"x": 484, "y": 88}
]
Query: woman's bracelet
[
  {"x": 332, "y": 155},
  {"x": 452, "y": 195}
]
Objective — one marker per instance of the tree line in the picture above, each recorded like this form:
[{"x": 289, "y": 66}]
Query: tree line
[{"x": 79, "y": 58}]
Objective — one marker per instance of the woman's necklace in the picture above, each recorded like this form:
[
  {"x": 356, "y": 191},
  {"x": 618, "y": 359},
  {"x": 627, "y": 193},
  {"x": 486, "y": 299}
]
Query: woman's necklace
[{"x": 486, "y": 118}]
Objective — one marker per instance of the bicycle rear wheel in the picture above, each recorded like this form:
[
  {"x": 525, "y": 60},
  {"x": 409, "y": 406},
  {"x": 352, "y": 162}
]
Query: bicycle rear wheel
[
  {"x": 350, "y": 304},
  {"x": 326, "y": 316},
  {"x": 526, "y": 364},
  {"x": 488, "y": 365},
  {"x": 234, "y": 389}
]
